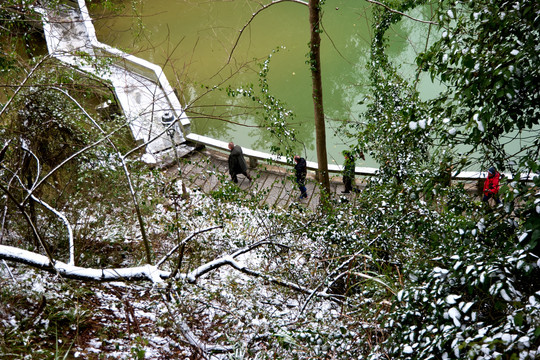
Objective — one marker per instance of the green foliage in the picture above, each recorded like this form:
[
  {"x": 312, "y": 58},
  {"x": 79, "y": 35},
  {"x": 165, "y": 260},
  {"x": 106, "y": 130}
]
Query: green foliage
[
  {"x": 488, "y": 58},
  {"x": 42, "y": 320},
  {"x": 468, "y": 271},
  {"x": 471, "y": 302},
  {"x": 418, "y": 267}
]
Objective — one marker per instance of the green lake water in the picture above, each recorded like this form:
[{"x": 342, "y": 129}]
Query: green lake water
[{"x": 192, "y": 40}]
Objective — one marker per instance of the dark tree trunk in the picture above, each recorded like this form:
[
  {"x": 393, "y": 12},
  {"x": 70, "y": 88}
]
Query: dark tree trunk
[{"x": 315, "y": 66}]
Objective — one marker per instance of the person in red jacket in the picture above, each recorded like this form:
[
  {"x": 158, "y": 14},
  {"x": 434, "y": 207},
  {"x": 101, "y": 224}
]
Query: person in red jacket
[{"x": 491, "y": 186}]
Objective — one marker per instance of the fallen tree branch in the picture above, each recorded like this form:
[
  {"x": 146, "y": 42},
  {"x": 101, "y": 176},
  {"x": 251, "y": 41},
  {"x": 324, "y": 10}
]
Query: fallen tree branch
[
  {"x": 230, "y": 260},
  {"x": 147, "y": 272}
]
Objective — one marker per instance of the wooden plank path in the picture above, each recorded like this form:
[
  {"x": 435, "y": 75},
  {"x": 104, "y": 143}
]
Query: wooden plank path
[{"x": 207, "y": 170}]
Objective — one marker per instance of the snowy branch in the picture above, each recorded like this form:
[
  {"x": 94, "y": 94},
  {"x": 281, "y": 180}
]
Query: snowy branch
[
  {"x": 230, "y": 260},
  {"x": 147, "y": 272}
]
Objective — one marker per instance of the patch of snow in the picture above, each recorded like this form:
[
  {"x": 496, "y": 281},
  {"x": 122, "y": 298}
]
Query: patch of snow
[
  {"x": 451, "y": 299},
  {"x": 148, "y": 158},
  {"x": 455, "y": 315},
  {"x": 523, "y": 237}
]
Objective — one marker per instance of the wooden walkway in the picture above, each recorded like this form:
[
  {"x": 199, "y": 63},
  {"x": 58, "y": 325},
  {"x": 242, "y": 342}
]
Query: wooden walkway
[{"x": 207, "y": 170}]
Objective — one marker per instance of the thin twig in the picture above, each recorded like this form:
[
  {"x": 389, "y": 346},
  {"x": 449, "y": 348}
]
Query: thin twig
[
  {"x": 9, "y": 270},
  {"x": 400, "y": 13},
  {"x": 68, "y": 226},
  {"x": 22, "y": 84},
  {"x": 264, "y": 7},
  {"x": 168, "y": 255}
]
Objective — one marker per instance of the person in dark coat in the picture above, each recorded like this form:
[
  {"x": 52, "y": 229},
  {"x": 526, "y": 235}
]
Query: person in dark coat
[
  {"x": 237, "y": 163},
  {"x": 301, "y": 172},
  {"x": 491, "y": 186}
]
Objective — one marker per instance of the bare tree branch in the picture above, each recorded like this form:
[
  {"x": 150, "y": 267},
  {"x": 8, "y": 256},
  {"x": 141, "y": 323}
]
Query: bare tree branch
[
  {"x": 264, "y": 7},
  {"x": 126, "y": 171},
  {"x": 25, "y": 147},
  {"x": 23, "y": 83},
  {"x": 68, "y": 226},
  {"x": 69, "y": 158},
  {"x": 49, "y": 257},
  {"x": 400, "y": 13},
  {"x": 168, "y": 255},
  {"x": 230, "y": 260}
]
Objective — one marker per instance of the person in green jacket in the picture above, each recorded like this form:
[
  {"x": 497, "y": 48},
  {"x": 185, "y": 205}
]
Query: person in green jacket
[{"x": 349, "y": 171}]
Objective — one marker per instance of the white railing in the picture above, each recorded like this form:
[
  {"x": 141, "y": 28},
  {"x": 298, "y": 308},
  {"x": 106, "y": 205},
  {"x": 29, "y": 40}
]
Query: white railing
[
  {"x": 361, "y": 171},
  {"x": 137, "y": 65}
]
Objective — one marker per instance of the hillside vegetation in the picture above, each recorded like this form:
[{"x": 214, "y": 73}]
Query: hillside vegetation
[{"x": 104, "y": 258}]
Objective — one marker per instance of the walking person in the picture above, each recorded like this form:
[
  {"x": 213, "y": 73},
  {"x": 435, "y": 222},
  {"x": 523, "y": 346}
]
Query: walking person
[
  {"x": 491, "y": 186},
  {"x": 237, "y": 163},
  {"x": 349, "y": 171},
  {"x": 301, "y": 172}
]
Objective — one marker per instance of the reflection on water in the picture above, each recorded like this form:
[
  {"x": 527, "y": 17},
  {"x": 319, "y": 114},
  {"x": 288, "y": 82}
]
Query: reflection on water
[{"x": 193, "y": 40}]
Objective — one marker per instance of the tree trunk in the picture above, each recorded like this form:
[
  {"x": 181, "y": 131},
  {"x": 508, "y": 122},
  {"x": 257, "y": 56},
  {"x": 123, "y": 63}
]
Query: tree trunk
[{"x": 315, "y": 66}]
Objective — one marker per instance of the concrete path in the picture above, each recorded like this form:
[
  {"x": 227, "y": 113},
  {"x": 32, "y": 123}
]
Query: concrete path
[{"x": 207, "y": 170}]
